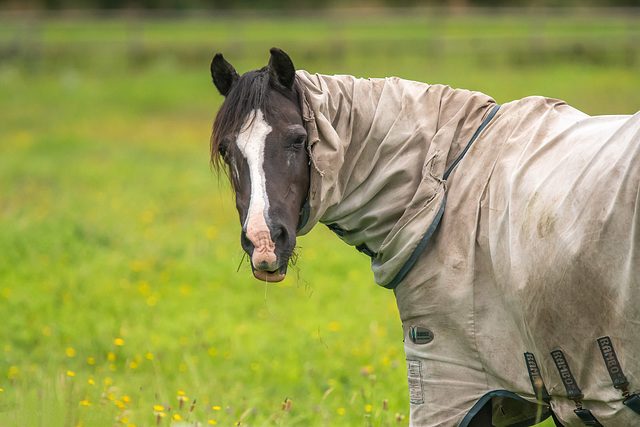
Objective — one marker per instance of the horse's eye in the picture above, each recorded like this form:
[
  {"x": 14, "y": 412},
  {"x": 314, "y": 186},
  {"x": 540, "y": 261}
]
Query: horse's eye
[{"x": 299, "y": 142}]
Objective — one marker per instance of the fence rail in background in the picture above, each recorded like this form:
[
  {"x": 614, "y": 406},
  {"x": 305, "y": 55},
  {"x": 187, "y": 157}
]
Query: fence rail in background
[{"x": 517, "y": 37}]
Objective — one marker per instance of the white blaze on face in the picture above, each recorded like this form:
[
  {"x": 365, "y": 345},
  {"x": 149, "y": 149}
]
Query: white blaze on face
[{"x": 251, "y": 142}]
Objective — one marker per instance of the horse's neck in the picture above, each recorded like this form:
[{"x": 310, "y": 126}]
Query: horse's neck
[
  {"x": 379, "y": 150},
  {"x": 377, "y": 136},
  {"x": 388, "y": 116}
]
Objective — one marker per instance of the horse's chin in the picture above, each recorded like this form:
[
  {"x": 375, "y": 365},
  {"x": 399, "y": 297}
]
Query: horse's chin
[{"x": 269, "y": 276}]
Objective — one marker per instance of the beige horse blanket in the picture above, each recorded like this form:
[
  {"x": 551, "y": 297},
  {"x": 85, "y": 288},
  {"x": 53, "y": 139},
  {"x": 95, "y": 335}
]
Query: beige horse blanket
[{"x": 512, "y": 242}]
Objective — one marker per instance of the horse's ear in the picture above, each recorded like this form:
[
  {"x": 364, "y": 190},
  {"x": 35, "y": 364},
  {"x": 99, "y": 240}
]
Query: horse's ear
[
  {"x": 281, "y": 68},
  {"x": 223, "y": 74}
]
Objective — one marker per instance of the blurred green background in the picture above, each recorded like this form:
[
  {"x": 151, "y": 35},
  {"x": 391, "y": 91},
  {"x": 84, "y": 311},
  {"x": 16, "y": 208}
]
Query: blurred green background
[{"x": 125, "y": 296}]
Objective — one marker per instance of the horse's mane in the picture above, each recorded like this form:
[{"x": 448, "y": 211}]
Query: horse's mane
[{"x": 251, "y": 92}]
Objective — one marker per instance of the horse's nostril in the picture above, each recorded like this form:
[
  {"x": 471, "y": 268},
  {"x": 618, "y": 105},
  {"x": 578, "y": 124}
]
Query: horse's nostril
[
  {"x": 246, "y": 243},
  {"x": 281, "y": 234},
  {"x": 266, "y": 266}
]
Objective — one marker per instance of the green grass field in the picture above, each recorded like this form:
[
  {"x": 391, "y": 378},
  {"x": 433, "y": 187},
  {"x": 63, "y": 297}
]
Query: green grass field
[{"x": 125, "y": 296}]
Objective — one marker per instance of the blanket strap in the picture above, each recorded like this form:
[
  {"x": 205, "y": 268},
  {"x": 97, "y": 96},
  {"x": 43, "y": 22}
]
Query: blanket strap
[
  {"x": 619, "y": 380},
  {"x": 539, "y": 389},
  {"x": 573, "y": 391}
]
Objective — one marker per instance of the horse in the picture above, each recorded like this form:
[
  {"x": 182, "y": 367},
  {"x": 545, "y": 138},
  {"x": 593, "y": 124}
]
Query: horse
[{"x": 509, "y": 234}]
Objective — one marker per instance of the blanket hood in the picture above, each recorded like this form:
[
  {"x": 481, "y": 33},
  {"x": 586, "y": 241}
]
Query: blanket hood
[{"x": 379, "y": 150}]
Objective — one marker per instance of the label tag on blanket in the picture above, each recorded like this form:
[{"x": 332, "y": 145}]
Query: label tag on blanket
[
  {"x": 573, "y": 391},
  {"x": 414, "y": 375},
  {"x": 420, "y": 335}
]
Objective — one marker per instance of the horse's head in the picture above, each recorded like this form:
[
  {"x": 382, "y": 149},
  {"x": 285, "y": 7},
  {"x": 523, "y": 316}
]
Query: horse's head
[{"x": 259, "y": 134}]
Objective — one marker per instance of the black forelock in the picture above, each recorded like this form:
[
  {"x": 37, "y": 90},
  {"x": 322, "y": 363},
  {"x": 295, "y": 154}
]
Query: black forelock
[{"x": 252, "y": 91}]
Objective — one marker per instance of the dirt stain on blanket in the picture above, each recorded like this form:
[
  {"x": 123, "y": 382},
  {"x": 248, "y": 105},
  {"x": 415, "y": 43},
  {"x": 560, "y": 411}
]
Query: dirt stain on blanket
[{"x": 547, "y": 224}]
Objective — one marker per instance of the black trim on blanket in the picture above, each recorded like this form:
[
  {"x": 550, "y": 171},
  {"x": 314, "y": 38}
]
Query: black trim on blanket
[
  {"x": 418, "y": 250},
  {"x": 633, "y": 402},
  {"x": 304, "y": 215},
  {"x": 473, "y": 138},
  {"x": 432, "y": 228},
  {"x": 502, "y": 393},
  {"x": 587, "y": 417}
]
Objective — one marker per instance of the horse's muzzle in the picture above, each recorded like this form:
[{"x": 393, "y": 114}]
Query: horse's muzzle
[
  {"x": 269, "y": 276},
  {"x": 269, "y": 272},
  {"x": 267, "y": 266}
]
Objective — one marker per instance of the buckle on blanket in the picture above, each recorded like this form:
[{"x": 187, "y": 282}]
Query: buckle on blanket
[
  {"x": 573, "y": 391},
  {"x": 584, "y": 414},
  {"x": 618, "y": 378},
  {"x": 587, "y": 418},
  {"x": 633, "y": 402}
]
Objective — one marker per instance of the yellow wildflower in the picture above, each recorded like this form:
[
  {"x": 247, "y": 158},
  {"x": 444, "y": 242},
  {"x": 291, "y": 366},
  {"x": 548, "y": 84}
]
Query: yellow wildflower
[
  {"x": 158, "y": 408},
  {"x": 341, "y": 411},
  {"x": 366, "y": 369},
  {"x": 70, "y": 352},
  {"x": 71, "y": 373},
  {"x": 13, "y": 371},
  {"x": 368, "y": 408},
  {"x": 118, "y": 342}
]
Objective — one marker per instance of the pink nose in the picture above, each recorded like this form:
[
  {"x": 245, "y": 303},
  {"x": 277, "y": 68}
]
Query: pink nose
[{"x": 264, "y": 258}]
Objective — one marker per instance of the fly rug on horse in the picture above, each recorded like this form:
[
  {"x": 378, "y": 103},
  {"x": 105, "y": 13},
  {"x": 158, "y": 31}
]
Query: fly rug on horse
[{"x": 509, "y": 234}]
